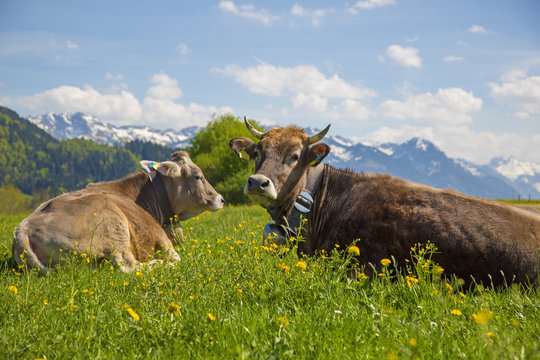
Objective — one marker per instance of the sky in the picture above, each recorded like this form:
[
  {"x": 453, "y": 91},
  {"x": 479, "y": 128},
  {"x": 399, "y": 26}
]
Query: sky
[{"x": 463, "y": 74}]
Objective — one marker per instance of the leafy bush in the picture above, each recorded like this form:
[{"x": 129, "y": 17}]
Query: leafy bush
[
  {"x": 222, "y": 168},
  {"x": 13, "y": 201}
]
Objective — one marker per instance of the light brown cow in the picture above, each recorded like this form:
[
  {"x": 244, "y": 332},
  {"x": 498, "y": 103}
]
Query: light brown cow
[
  {"x": 490, "y": 241},
  {"x": 125, "y": 221}
]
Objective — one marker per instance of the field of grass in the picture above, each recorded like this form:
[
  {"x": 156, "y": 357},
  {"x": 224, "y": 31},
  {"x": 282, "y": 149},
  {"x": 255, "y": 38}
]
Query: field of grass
[{"x": 231, "y": 297}]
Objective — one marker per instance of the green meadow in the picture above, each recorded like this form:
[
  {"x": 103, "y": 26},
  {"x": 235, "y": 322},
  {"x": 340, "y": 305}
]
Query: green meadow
[{"x": 233, "y": 297}]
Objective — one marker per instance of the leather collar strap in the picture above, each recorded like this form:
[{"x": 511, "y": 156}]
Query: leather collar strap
[
  {"x": 304, "y": 201},
  {"x": 163, "y": 200}
]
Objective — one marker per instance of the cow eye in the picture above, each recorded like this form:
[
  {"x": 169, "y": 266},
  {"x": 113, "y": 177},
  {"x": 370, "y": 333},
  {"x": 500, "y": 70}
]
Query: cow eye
[
  {"x": 295, "y": 157},
  {"x": 198, "y": 177}
]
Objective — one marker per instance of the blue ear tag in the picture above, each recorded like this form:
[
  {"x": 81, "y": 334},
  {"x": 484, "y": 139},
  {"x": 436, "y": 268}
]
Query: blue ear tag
[
  {"x": 317, "y": 159},
  {"x": 153, "y": 165}
]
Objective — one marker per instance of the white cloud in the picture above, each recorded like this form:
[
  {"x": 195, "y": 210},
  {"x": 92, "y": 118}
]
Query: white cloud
[
  {"x": 159, "y": 108},
  {"x": 183, "y": 49},
  {"x": 462, "y": 142},
  {"x": 282, "y": 81},
  {"x": 316, "y": 15},
  {"x": 405, "y": 56},
  {"x": 369, "y": 4},
  {"x": 164, "y": 88},
  {"x": 453, "y": 58},
  {"x": 71, "y": 45},
  {"x": 477, "y": 29},
  {"x": 522, "y": 115},
  {"x": 117, "y": 77},
  {"x": 350, "y": 109},
  {"x": 518, "y": 90},
  {"x": 120, "y": 106},
  {"x": 450, "y": 106},
  {"x": 249, "y": 12},
  {"x": 309, "y": 102}
]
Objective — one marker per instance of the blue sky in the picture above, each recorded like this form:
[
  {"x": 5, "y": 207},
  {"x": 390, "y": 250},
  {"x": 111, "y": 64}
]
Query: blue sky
[{"x": 463, "y": 74}]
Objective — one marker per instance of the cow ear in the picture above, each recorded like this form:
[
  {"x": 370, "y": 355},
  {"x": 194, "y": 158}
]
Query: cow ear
[
  {"x": 317, "y": 153},
  {"x": 243, "y": 147},
  {"x": 148, "y": 166},
  {"x": 170, "y": 168}
]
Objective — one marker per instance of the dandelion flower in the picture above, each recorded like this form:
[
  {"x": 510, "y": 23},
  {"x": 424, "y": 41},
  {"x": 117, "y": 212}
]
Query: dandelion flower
[
  {"x": 385, "y": 262},
  {"x": 456, "y": 312},
  {"x": 354, "y": 250},
  {"x": 392, "y": 356},
  {"x": 439, "y": 269},
  {"x": 301, "y": 265},
  {"x": 362, "y": 276},
  {"x": 490, "y": 334},
  {"x": 133, "y": 314},
  {"x": 173, "y": 308},
  {"x": 211, "y": 317},
  {"x": 482, "y": 316},
  {"x": 13, "y": 289},
  {"x": 413, "y": 342},
  {"x": 282, "y": 321}
]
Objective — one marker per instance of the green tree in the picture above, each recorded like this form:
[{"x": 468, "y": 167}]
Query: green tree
[
  {"x": 223, "y": 169},
  {"x": 13, "y": 201}
]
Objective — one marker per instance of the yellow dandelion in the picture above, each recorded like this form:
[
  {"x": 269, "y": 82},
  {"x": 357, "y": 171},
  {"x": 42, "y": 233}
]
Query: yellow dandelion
[
  {"x": 354, "y": 250},
  {"x": 173, "y": 308},
  {"x": 73, "y": 306},
  {"x": 139, "y": 274},
  {"x": 482, "y": 316},
  {"x": 13, "y": 289},
  {"x": 438, "y": 269},
  {"x": 282, "y": 321},
  {"x": 284, "y": 267},
  {"x": 413, "y": 342},
  {"x": 385, "y": 262},
  {"x": 392, "y": 356},
  {"x": 210, "y": 317},
  {"x": 191, "y": 297},
  {"x": 133, "y": 314},
  {"x": 45, "y": 302},
  {"x": 362, "y": 276},
  {"x": 456, "y": 312},
  {"x": 301, "y": 265},
  {"x": 490, "y": 334}
]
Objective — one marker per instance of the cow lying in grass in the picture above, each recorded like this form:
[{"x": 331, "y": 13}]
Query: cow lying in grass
[
  {"x": 124, "y": 220},
  {"x": 475, "y": 238}
]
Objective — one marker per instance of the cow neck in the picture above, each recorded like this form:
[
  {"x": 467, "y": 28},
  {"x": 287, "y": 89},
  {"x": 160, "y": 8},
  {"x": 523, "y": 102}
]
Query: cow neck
[
  {"x": 305, "y": 200},
  {"x": 153, "y": 198}
]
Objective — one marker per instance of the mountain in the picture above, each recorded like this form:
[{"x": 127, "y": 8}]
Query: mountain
[
  {"x": 417, "y": 159},
  {"x": 78, "y": 125}
]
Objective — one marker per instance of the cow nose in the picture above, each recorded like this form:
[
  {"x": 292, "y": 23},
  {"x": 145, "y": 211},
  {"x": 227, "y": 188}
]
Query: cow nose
[{"x": 259, "y": 184}]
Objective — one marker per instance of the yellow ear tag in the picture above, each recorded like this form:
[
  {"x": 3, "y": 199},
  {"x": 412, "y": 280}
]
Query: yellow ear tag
[
  {"x": 317, "y": 159},
  {"x": 243, "y": 155},
  {"x": 154, "y": 165}
]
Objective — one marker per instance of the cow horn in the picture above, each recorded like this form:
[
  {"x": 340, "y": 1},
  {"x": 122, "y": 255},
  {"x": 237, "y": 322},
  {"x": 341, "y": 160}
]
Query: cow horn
[
  {"x": 258, "y": 134},
  {"x": 314, "y": 138}
]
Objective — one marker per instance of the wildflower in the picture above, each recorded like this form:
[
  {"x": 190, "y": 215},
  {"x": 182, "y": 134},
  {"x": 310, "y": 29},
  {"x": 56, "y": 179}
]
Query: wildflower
[
  {"x": 13, "y": 289},
  {"x": 45, "y": 302},
  {"x": 133, "y": 314},
  {"x": 173, "y": 309},
  {"x": 239, "y": 291},
  {"x": 191, "y": 297},
  {"x": 456, "y": 312},
  {"x": 301, "y": 265},
  {"x": 139, "y": 274},
  {"x": 438, "y": 269},
  {"x": 284, "y": 267},
  {"x": 362, "y": 276},
  {"x": 211, "y": 317},
  {"x": 126, "y": 283},
  {"x": 392, "y": 356},
  {"x": 413, "y": 342},
  {"x": 282, "y": 321},
  {"x": 385, "y": 262},
  {"x": 490, "y": 334},
  {"x": 73, "y": 306},
  {"x": 482, "y": 316},
  {"x": 354, "y": 250}
]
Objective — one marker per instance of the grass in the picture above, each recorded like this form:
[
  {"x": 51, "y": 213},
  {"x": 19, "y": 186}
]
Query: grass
[{"x": 230, "y": 297}]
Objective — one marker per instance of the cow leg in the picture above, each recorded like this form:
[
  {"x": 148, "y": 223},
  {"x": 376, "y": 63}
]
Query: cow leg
[
  {"x": 175, "y": 233},
  {"x": 126, "y": 262}
]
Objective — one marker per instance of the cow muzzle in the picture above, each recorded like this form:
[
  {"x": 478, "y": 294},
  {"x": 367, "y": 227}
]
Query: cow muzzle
[
  {"x": 260, "y": 188},
  {"x": 218, "y": 203}
]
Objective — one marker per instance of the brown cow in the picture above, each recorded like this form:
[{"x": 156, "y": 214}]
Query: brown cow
[
  {"x": 487, "y": 240},
  {"x": 125, "y": 220}
]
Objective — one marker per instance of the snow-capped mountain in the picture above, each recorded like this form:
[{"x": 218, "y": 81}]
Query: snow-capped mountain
[
  {"x": 417, "y": 159},
  {"x": 78, "y": 125}
]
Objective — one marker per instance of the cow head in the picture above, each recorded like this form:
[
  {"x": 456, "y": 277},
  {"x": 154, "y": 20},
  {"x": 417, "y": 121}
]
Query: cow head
[
  {"x": 282, "y": 158},
  {"x": 188, "y": 191}
]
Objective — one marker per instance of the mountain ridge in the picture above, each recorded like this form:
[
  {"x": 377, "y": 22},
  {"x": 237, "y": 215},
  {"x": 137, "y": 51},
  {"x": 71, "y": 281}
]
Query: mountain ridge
[{"x": 416, "y": 159}]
